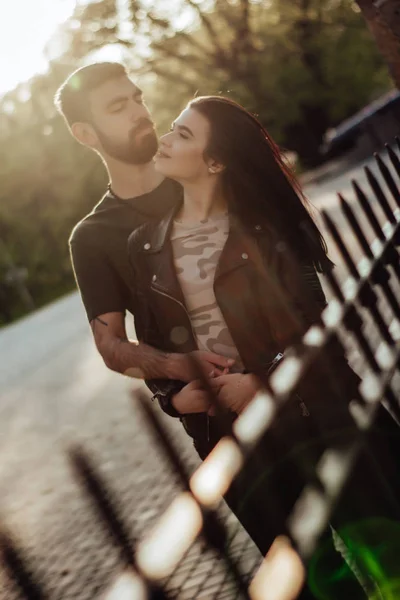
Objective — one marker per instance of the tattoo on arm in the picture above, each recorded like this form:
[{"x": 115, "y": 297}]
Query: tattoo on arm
[
  {"x": 137, "y": 360},
  {"x": 95, "y": 321},
  {"x": 129, "y": 357},
  {"x": 101, "y": 321}
]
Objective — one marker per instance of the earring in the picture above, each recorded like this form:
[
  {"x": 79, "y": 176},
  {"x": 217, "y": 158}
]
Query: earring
[{"x": 211, "y": 170}]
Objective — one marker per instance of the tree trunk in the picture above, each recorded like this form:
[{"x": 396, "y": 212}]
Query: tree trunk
[
  {"x": 305, "y": 137},
  {"x": 383, "y": 19}
]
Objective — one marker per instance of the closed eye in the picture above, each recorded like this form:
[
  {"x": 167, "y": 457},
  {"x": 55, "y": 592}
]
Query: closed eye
[
  {"x": 181, "y": 135},
  {"x": 118, "y": 108}
]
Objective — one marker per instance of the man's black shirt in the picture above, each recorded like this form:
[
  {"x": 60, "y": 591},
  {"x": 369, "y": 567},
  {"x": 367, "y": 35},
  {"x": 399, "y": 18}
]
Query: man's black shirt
[{"x": 98, "y": 247}]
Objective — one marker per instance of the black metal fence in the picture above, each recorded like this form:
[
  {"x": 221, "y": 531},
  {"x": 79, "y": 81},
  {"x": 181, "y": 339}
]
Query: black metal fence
[{"x": 369, "y": 301}]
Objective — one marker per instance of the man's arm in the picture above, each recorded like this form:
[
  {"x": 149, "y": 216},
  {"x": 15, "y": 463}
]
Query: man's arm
[
  {"x": 137, "y": 359},
  {"x": 104, "y": 296},
  {"x": 129, "y": 357}
]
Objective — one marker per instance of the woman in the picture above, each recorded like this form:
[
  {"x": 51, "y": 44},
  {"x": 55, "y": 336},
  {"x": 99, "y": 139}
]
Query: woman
[{"x": 219, "y": 273}]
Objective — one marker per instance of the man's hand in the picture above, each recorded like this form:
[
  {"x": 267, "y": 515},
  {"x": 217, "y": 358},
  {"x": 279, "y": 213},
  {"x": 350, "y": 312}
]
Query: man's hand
[
  {"x": 235, "y": 390},
  {"x": 208, "y": 363},
  {"x": 191, "y": 399}
]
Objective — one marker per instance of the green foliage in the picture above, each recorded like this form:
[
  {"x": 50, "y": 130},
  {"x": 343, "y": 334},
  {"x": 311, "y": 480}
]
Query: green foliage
[
  {"x": 48, "y": 183},
  {"x": 302, "y": 66}
]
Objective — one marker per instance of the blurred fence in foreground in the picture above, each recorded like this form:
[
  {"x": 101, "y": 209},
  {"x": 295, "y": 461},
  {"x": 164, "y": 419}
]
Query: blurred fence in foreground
[{"x": 369, "y": 298}]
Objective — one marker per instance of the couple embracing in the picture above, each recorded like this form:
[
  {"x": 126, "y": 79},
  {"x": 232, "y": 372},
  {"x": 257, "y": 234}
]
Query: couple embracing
[{"x": 206, "y": 238}]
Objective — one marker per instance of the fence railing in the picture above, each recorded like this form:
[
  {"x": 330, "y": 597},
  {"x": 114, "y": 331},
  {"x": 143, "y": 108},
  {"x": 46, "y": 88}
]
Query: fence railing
[{"x": 369, "y": 300}]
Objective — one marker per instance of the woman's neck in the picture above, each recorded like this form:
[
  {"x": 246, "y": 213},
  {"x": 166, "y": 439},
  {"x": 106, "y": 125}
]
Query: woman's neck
[{"x": 202, "y": 200}]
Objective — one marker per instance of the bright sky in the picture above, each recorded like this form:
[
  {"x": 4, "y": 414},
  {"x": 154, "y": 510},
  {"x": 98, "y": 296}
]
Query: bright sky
[{"x": 25, "y": 27}]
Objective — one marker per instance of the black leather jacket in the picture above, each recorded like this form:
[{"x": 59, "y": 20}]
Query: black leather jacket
[{"x": 255, "y": 284}]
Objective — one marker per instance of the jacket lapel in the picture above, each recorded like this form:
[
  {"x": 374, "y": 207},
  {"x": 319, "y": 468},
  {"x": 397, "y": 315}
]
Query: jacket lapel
[
  {"x": 240, "y": 250},
  {"x": 158, "y": 249}
]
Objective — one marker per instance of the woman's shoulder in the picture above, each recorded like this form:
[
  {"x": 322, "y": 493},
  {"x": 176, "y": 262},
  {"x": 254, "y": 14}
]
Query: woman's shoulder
[{"x": 151, "y": 235}]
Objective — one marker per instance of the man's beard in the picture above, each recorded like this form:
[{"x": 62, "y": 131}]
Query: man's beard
[{"x": 136, "y": 150}]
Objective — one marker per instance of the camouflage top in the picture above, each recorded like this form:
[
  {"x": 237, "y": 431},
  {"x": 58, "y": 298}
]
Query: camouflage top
[{"x": 197, "y": 247}]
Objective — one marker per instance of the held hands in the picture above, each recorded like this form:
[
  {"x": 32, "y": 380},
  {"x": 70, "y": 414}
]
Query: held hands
[
  {"x": 234, "y": 390},
  {"x": 209, "y": 363},
  {"x": 191, "y": 399}
]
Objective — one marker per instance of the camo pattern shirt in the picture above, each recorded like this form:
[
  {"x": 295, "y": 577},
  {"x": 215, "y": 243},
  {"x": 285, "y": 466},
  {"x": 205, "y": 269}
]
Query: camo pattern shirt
[{"x": 197, "y": 247}]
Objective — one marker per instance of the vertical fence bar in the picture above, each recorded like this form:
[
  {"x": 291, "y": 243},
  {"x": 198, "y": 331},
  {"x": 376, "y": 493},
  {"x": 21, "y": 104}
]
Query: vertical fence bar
[
  {"x": 108, "y": 513},
  {"x": 387, "y": 176},
  {"x": 86, "y": 472},
  {"x": 391, "y": 256},
  {"x": 380, "y": 196},
  {"x": 379, "y": 274},
  {"x": 393, "y": 158},
  {"x": 19, "y": 568}
]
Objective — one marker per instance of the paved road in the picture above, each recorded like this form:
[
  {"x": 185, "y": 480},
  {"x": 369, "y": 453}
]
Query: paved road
[{"x": 54, "y": 389}]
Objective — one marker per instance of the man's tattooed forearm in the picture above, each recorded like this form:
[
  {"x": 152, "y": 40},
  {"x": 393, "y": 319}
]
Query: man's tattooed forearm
[{"x": 127, "y": 356}]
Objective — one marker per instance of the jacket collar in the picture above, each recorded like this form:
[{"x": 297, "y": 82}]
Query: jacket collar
[
  {"x": 240, "y": 248},
  {"x": 160, "y": 232}
]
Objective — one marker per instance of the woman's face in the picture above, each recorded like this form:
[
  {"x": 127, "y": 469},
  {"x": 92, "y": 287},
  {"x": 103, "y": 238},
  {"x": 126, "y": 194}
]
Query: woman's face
[{"x": 181, "y": 151}]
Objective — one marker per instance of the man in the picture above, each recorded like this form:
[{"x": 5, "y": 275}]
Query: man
[{"x": 105, "y": 111}]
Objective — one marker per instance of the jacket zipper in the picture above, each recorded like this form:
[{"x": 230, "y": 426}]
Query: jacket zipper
[
  {"x": 193, "y": 334},
  {"x": 158, "y": 291}
]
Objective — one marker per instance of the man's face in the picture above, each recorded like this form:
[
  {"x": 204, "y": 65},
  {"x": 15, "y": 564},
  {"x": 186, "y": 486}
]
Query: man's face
[{"x": 122, "y": 122}]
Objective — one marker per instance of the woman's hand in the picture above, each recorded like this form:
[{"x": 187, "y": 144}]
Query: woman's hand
[
  {"x": 191, "y": 399},
  {"x": 211, "y": 364},
  {"x": 235, "y": 390},
  {"x": 186, "y": 367}
]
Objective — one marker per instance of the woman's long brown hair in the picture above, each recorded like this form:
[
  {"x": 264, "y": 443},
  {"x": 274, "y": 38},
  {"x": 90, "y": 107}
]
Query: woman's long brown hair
[{"x": 260, "y": 186}]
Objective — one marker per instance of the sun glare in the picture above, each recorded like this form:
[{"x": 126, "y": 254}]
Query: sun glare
[{"x": 25, "y": 27}]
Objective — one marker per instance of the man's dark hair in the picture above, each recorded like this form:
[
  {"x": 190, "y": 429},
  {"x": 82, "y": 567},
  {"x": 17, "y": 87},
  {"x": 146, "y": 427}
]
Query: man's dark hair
[{"x": 71, "y": 98}]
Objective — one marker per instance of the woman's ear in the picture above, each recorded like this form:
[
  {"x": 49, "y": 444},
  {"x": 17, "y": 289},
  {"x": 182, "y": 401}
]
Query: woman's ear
[
  {"x": 84, "y": 134},
  {"x": 215, "y": 167}
]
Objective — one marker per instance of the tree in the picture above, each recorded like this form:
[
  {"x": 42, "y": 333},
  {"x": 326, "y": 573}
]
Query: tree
[
  {"x": 48, "y": 183},
  {"x": 383, "y": 19},
  {"x": 301, "y": 66}
]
